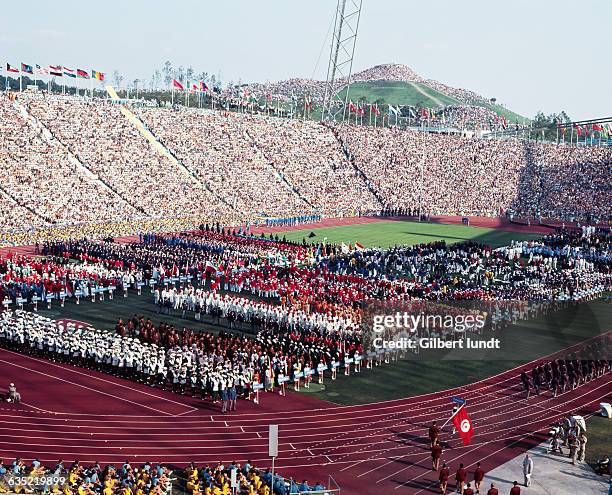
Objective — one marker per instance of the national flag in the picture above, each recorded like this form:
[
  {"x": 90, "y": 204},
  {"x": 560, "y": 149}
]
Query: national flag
[
  {"x": 40, "y": 70},
  {"x": 352, "y": 107},
  {"x": 97, "y": 75},
  {"x": 374, "y": 108},
  {"x": 463, "y": 425},
  {"x": 56, "y": 70},
  {"x": 597, "y": 127},
  {"x": 212, "y": 268},
  {"x": 359, "y": 246},
  {"x": 176, "y": 84},
  {"x": 26, "y": 68},
  {"x": 83, "y": 74},
  {"x": 504, "y": 123},
  {"x": 578, "y": 129},
  {"x": 203, "y": 86},
  {"x": 10, "y": 68},
  {"x": 361, "y": 109},
  {"x": 69, "y": 72},
  {"x": 393, "y": 110},
  {"x": 194, "y": 87},
  {"x": 424, "y": 113}
]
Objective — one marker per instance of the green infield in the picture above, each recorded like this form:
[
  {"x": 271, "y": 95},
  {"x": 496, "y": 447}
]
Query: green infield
[
  {"x": 389, "y": 233},
  {"x": 599, "y": 435},
  {"x": 404, "y": 378}
]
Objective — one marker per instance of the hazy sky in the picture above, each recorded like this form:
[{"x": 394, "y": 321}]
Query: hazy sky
[{"x": 532, "y": 55}]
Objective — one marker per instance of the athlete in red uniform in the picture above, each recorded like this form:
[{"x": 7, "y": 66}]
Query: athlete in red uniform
[
  {"x": 460, "y": 477},
  {"x": 444, "y": 474}
]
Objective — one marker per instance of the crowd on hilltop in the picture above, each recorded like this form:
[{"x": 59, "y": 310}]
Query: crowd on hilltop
[{"x": 83, "y": 166}]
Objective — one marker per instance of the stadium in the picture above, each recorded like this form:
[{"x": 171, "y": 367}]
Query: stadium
[{"x": 368, "y": 284}]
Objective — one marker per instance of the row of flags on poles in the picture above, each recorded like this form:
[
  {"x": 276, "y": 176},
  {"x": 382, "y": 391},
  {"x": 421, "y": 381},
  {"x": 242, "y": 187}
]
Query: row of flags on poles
[
  {"x": 55, "y": 71},
  {"x": 194, "y": 86},
  {"x": 604, "y": 130}
]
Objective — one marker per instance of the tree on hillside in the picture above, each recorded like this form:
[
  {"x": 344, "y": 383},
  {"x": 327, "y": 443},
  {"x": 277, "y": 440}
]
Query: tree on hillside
[
  {"x": 547, "y": 124},
  {"x": 156, "y": 80},
  {"x": 179, "y": 75},
  {"x": 117, "y": 78},
  {"x": 189, "y": 73},
  {"x": 167, "y": 71}
]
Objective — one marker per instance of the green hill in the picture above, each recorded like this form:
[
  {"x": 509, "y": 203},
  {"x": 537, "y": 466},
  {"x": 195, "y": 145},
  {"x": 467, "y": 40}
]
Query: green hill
[
  {"x": 413, "y": 94},
  {"x": 398, "y": 93}
]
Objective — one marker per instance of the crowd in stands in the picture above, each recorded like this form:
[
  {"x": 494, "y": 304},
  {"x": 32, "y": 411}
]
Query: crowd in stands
[
  {"x": 308, "y": 155},
  {"x": 482, "y": 177},
  {"x": 94, "y": 172},
  {"x": 111, "y": 147},
  {"x": 78, "y": 478},
  {"x": 217, "y": 148},
  {"x": 40, "y": 176}
]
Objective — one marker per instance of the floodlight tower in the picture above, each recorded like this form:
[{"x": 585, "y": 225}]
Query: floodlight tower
[{"x": 341, "y": 54}]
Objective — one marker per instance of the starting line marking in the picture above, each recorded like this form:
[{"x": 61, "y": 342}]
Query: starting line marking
[
  {"x": 291, "y": 445},
  {"x": 258, "y": 434}
]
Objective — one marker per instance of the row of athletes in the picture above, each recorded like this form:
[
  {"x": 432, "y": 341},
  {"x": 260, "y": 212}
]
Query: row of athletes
[{"x": 561, "y": 375}]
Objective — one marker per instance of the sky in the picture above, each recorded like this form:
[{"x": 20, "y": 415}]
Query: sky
[{"x": 532, "y": 55}]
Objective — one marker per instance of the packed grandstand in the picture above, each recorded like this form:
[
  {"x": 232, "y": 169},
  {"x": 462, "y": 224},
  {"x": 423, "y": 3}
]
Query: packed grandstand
[{"x": 83, "y": 157}]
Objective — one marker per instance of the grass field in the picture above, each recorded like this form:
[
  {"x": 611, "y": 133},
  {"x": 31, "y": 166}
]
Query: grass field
[
  {"x": 599, "y": 434},
  {"x": 527, "y": 341},
  {"x": 389, "y": 233},
  {"x": 404, "y": 378}
]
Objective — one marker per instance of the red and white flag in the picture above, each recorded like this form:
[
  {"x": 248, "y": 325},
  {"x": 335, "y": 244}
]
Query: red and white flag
[
  {"x": 177, "y": 84},
  {"x": 463, "y": 425},
  {"x": 359, "y": 246}
]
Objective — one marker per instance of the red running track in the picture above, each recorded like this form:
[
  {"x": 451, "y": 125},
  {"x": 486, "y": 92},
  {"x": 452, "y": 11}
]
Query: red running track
[{"x": 73, "y": 413}]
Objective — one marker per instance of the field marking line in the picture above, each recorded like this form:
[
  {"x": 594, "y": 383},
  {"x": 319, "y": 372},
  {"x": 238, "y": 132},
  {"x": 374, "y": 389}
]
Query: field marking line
[
  {"x": 72, "y": 369},
  {"x": 85, "y": 387}
]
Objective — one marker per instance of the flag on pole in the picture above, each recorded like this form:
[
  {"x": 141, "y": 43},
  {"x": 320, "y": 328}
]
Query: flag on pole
[
  {"x": 359, "y": 246},
  {"x": 352, "y": 107},
  {"x": 203, "y": 87},
  {"x": 177, "y": 84},
  {"x": 10, "y": 68},
  {"x": 463, "y": 425},
  {"x": 83, "y": 74},
  {"x": 394, "y": 111},
  {"x": 97, "y": 75},
  {"x": 26, "y": 68},
  {"x": 578, "y": 130},
  {"x": 69, "y": 72},
  {"x": 56, "y": 70},
  {"x": 374, "y": 109},
  {"x": 40, "y": 70}
]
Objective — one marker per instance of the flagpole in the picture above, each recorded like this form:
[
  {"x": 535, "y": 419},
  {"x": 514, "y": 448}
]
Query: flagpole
[
  {"x": 453, "y": 415},
  {"x": 20, "y": 77}
]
